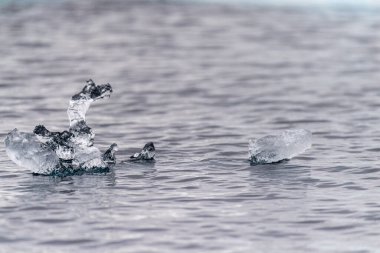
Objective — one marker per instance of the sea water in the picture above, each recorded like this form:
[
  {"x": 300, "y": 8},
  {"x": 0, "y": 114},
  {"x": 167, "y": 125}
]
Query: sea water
[{"x": 198, "y": 80}]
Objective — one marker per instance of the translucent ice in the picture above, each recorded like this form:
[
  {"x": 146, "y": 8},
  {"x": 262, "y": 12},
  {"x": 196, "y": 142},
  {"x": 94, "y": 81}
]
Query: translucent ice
[
  {"x": 80, "y": 102},
  {"x": 27, "y": 151},
  {"x": 274, "y": 148},
  {"x": 66, "y": 152},
  {"x": 147, "y": 153}
]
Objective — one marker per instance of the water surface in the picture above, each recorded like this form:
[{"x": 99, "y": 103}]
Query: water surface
[{"x": 198, "y": 80}]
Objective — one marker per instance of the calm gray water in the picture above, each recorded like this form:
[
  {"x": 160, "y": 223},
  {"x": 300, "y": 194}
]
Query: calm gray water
[{"x": 199, "y": 80}]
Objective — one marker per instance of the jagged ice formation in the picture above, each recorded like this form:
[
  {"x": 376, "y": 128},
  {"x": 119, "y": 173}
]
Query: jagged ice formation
[{"x": 67, "y": 152}]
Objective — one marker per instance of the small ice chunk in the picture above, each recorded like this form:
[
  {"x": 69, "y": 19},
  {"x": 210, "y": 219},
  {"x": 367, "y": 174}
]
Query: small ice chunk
[
  {"x": 147, "y": 153},
  {"x": 109, "y": 155},
  {"x": 275, "y": 148}
]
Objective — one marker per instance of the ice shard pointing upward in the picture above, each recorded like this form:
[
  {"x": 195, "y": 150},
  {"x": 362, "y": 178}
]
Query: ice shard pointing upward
[{"x": 66, "y": 152}]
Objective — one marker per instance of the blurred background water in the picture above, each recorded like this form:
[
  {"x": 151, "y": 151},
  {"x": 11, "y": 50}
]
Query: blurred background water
[{"x": 198, "y": 79}]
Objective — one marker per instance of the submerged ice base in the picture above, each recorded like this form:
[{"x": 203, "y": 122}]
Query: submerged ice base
[
  {"x": 275, "y": 148},
  {"x": 47, "y": 153}
]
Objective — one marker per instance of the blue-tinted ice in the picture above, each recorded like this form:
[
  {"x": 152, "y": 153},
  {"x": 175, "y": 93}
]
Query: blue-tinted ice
[
  {"x": 67, "y": 152},
  {"x": 275, "y": 148}
]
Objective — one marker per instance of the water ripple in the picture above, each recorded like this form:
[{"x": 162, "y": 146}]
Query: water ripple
[{"x": 198, "y": 80}]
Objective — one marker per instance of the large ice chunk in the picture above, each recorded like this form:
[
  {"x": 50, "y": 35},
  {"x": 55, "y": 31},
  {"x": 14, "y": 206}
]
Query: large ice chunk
[
  {"x": 275, "y": 148},
  {"x": 67, "y": 152}
]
